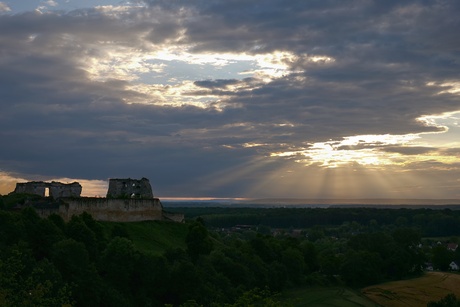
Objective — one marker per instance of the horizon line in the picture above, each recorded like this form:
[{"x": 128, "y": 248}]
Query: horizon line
[{"x": 317, "y": 200}]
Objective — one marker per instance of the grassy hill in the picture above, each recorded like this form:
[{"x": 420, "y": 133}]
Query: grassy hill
[
  {"x": 415, "y": 292},
  {"x": 151, "y": 236}
]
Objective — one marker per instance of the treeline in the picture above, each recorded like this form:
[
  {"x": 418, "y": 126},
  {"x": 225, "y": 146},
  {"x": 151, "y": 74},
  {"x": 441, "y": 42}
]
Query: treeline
[{"x": 431, "y": 222}]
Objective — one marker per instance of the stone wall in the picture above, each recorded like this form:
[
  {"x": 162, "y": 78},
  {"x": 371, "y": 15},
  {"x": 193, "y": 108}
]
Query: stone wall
[
  {"x": 114, "y": 210},
  {"x": 45, "y": 212},
  {"x": 174, "y": 217},
  {"x": 56, "y": 189},
  {"x": 130, "y": 188}
]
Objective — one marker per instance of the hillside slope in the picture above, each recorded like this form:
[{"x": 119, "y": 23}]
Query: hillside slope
[{"x": 154, "y": 237}]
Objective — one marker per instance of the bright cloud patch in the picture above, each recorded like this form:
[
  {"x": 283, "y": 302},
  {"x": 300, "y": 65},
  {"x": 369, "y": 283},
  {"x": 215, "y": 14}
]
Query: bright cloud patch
[
  {"x": 386, "y": 150},
  {"x": 166, "y": 76},
  {"x": 452, "y": 87},
  {"x": 4, "y": 7},
  {"x": 362, "y": 149}
]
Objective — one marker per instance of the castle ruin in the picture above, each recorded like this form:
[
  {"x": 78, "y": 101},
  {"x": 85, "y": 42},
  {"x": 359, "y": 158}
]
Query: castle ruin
[
  {"x": 128, "y": 200},
  {"x": 129, "y": 188},
  {"x": 54, "y": 189}
]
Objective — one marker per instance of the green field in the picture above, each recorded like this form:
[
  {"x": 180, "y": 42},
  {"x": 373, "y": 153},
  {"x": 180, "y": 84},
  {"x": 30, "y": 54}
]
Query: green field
[
  {"x": 325, "y": 296},
  {"x": 153, "y": 237},
  {"x": 415, "y": 292}
]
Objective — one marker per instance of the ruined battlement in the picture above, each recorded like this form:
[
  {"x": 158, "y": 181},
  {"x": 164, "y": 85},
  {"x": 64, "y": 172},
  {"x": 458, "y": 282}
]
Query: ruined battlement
[{"x": 55, "y": 189}]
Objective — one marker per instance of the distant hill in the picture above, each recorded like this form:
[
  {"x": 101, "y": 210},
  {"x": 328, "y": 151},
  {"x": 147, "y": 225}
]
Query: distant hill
[
  {"x": 363, "y": 201},
  {"x": 315, "y": 203}
]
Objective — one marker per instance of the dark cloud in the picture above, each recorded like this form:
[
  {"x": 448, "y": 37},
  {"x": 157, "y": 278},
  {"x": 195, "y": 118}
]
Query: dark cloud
[
  {"x": 220, "y": 83},
  {"x": 57, "y": 120},
  {"x": 409, "y": 150},
  {"x": 451, "y": 151}
]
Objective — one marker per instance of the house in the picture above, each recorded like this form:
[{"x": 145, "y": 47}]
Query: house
[
  {"x": 453, "y": 266},
  {"x": 452, "y": 246}
]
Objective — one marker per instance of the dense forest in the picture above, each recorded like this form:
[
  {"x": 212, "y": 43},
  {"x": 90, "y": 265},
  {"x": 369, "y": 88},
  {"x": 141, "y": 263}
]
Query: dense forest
[
  {"x": 49, "y": 262},
  {"x": 430, "y": 222}
]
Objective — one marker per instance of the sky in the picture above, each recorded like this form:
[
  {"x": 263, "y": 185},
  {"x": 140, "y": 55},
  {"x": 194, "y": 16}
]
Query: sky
[{"x": 233, "y": 98}]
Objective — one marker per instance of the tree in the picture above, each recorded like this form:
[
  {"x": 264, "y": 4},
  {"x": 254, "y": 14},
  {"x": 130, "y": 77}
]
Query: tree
[
  {"x": 399, "y": 264},
  {"x": 441, "y": 257},
  {"x": 42, "y": 237},
  {"x": 261, "y": 247},
  {"x": 198, "y": 241},
  {"x": 237, "y": 273},
  {"x": 450, "y": 300},
  {"x": 25, "y": 282},
  {"x": 361, "y": 268},
  {"x": 118, "y": 262},
  {"x": 277, "y": 277},
  {"x": 79, "y": 231},
  {"x": 185, "y": 282},
  {"x": 293, "y": 260},
  {"x": 310, "y": 257},
  {"x": 96, "y": 228},
  {"x": 264, "y": 229},
  {"x": 406, "y": 237},
  {"x": 58, "y": 221},
  {"x": 258, "y": 297},
  {"x": 330, "y": 262},
  {"x": 315, "y": 233},
  {"x": 12, "y": 229},
  {"x": 151, "y": 274},
  {"x": 407, "y": 257},
  {"x": 72, "y": 260}
]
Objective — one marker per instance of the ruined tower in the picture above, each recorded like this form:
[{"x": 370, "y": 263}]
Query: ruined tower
[{"x": 130, "y": 188}]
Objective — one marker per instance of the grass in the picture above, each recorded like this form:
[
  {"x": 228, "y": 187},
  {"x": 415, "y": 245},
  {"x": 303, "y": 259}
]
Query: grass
[
  {"x": 415, "y": 292},
  {"x": 152, "y": 236},
  {"x": 325, "y": 296}
]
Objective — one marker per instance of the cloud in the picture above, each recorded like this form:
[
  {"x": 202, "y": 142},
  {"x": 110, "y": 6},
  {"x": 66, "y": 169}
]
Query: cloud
[
  {"x": 411, "y": 150},
  {"x": 219, "y": 83},
  {"x": 182, "y": 90},
  {"x": 4, "y": 7}
]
